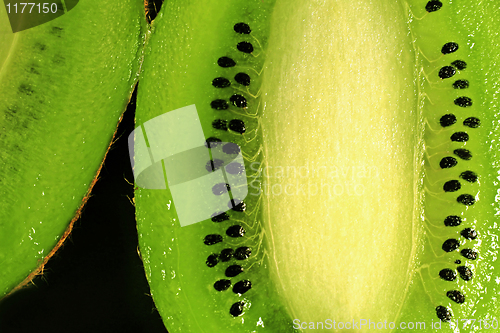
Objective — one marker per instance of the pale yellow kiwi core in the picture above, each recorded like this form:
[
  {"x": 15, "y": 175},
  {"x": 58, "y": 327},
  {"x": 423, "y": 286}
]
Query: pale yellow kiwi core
[{"x": 340, "y": 125}]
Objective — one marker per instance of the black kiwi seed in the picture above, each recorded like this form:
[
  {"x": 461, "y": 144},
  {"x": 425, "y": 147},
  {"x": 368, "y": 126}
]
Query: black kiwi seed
[
  {"x": 450, "y": 245},
  {"x": 222, "y": 285},
  {"x": 456, "y": 296},
  {"x": 242, "y": 287},
  {"x": 212, "y": 260},
  {"x": 237, "y": 125},
  {"x": 220, "y": 217},
  {"x": 220, "y": 124},
  {"x": 465, "y": 273},
  {"x": 212, "y": 142},
  {"x": 235, "y": 231},
  {"x": 235, "y": 168},
  {"x": 449, "y": 48},
  {"x": 452, "y": 186},
  {"x": 446, "y": 72},
  {"x": 472, "y": 122},
  {"x": 221, "y": 82},
  {"x": 452, "y": 221},
  {"x": 242, "y": 253},
  {"x": 219, "y": 189},
  {"x": 226, "y": 255},
  {"x": 459, "y": 137},
  {"x": 226, "y": 62},
  {"x": 447, "y": 274},
  {"x": 443, "y": 313},
  {"x": 448, "y": 120},
  {"x": 459, "y": 64},
  {"x": 212, "y": 239},
  {"x": 231, "y": 148},
  {"x": 219, "y": 104},
  {"x": 243, "y": 79},
  {"x": 461, "y": 84},
  {"x": 469, "y": 254},
  {"x": 463, "y": 102},
  {"x": 469, "y": 176},
  {"x": 458, "y": 262},
  {"x": 238, "y": 101},
  {"x": 237, "y": 205},
  {"x": 242, "y": 28},
  {"x": 433, "y": 6},
  {"x": 213, "y": 165},
  {"x": 245, "y": 47},
  {"x": 448, "y": 162},
  {"x": 233, "y": 270},
  {"x": 466, "y": 199},
  {"x": 463, "y": 154},
  {"x": 469, "y": 233},
  {"x": 237, "y": 309}
]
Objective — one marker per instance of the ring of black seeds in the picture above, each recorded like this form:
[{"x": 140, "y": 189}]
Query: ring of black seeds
[
  {"x": 242, "y": 28},
  {"x": 433, "y": 6},
  {"x": 239, "y": 101},
  {"x": 220, "y": 124},
  {"x": 235, "y": 168},
  {"x": 472, "y": 122},
  {"x": 231, "y": 148},
  {"x": 213, "y": 165},
  {"x": 212, "y": 239},
  {"x": 222, "y": 285},
  {"x": 219, "y": 104},
  {"x": 461, "y": 84},
  {"x": 463, "y": 102},
  {"x": 448, "y": 120},
  {"x": 465, "y": 273},
  {"x": 448, "y": 162},
  {"x": 242, "y": 253},
  {"x": 459, "y": 137},
  {"x": 212, "y": 142},
  {"x": 226, "y": 62},
  {"x": 449, "y": 47},
  {"x": 221, "y": 188},
  {"x": 233, "y": 270},
  {"x": 447, "y": 274},
  {"x": 443, "y": 313},
  {"x": 459, "y": 64},
  {"x": 456, "y": 296},
  {"x": 221, "y": 82},
  {"x": 469, "y": 233},
  {"x": 237, "y": 125},
  {"x": 242, "y": 287},
  {"x": 469, "y": 176},
  {"x": 235, "y": 231},
  {"x": 458, "y": 262},
  {"x": 220, "y": 217},
  {"x": 243, "y": 79},
  {"x": 450, "y": 245},
  {"x": 464, "y": 154},
  {"x": 466, "y": 199},
  {"x": 452, "y": 186},
  {"x": 212, "y": 260},
  {"x": 469, "y": 254},
  {"x": 446, "y": 72},
  {"x": 452, "y": 221},
  {"x": 245, "y": 47},
  {"x": 237, "y": 205},
  {"x": 237, "y": 309},
  {"x": 226, "y": 255}
]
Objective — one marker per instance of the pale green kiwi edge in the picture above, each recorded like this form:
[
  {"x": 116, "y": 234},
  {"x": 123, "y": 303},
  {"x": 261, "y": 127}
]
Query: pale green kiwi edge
[{"x": 64, "y": 85}]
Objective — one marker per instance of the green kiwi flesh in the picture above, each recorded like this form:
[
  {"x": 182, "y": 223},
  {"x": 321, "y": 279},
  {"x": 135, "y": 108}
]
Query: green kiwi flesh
[
  {"x": 356, "y": 87},
  {"x": 63, "y": 86}
]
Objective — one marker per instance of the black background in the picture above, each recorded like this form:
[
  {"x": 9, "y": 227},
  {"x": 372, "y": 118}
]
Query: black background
[{"x": 95, "y": 282}]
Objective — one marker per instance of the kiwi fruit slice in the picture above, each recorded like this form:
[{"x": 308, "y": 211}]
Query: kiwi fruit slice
[
  {"x": 369, "y": 133},
  {"x": 64, "y": 85}
]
